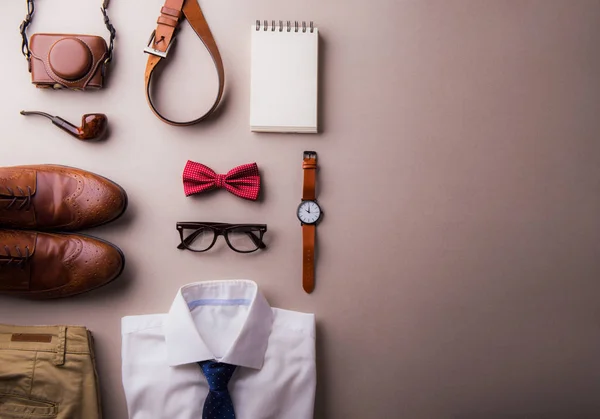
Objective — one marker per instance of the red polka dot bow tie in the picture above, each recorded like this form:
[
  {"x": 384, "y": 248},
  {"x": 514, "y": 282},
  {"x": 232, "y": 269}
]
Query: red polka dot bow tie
[{"x": 242, "y": 181}]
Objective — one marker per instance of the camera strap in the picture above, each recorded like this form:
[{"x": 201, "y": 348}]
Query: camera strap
[{"x": 29, "y": 19}]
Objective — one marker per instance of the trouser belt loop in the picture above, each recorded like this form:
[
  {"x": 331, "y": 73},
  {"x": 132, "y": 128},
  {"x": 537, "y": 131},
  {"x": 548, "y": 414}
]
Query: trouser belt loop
[{"x": 61, "y": 347}]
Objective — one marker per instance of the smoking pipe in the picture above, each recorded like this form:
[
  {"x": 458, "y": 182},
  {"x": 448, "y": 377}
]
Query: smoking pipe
[{"x": 93, "y": 125}]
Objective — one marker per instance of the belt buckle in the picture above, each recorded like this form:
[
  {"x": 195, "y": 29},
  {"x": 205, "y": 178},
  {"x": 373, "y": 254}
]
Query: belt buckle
[{"x": 154, "y": 51}]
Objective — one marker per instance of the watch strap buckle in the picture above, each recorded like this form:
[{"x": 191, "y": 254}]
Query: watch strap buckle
[{"x": 310, "y": 155}]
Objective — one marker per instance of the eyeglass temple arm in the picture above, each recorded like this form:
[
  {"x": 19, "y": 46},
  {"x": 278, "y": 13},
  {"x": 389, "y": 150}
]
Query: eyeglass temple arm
[
  {"x": 258, "y": 242},
  {"x": 189, "y": 239}
]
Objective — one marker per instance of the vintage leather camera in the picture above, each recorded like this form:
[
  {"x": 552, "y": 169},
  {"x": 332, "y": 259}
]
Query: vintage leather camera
[{"x": 59, "y": 61}]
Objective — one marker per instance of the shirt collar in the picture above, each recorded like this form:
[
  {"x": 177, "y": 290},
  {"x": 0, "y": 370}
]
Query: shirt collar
[{"x": 184, "y": 343}]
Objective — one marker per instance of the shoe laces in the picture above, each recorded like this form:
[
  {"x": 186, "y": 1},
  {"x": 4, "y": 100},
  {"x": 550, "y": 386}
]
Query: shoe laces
[
  {"x": 20, "y": 260},
  {"x": 26, "y": 197}
]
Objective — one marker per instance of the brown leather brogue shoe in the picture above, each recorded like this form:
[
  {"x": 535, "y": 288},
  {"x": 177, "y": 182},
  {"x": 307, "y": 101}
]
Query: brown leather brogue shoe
[
  {"x": 47, "y": 265},
  {"x": 47, "y": 197}
]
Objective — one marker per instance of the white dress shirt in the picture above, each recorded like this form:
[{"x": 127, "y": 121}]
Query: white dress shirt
[{"x": 230, "y": 322}]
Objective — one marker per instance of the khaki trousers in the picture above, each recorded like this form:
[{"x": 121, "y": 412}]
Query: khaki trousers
[{"x": 47, "y": 372}]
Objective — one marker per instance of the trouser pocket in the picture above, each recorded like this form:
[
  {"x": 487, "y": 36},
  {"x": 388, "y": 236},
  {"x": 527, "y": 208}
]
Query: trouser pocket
[{"x": 18, "y": 407}]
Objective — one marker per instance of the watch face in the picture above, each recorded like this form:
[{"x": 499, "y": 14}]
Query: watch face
[{"x": 309, "y": 212}]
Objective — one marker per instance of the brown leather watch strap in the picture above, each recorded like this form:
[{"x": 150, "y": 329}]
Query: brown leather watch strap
[
  {"x": 309, "y": 233},
  {"x": 309, "y": 164},
  {"x": 164, "y": 36}
]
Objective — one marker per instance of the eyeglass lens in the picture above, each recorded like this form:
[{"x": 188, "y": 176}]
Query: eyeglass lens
[
  {"x": 198, "y": 240},
  {"x": 244, "y": 239}
]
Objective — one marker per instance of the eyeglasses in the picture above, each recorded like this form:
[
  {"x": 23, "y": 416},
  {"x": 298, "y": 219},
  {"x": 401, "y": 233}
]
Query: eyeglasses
[{"x": 242, "y": 238}]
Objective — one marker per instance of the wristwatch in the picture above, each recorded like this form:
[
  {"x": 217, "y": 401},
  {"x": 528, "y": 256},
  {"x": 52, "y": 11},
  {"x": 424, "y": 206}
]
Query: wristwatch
[{"x": 309, "y": 213}]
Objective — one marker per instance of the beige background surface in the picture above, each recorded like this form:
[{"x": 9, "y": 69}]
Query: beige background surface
[{"x": 458, "y": 272}]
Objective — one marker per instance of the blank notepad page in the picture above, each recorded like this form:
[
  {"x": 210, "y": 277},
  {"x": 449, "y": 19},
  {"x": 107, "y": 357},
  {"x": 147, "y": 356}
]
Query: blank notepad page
[{"x": 284, "y": 79}]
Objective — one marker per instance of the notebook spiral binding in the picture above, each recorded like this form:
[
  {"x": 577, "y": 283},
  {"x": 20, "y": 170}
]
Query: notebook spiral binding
[{"x": 296, "y": 27}]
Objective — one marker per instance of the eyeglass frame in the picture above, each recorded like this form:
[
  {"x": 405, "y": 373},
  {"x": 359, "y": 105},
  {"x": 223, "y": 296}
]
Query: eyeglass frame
[{"x": 220, "y": 229}]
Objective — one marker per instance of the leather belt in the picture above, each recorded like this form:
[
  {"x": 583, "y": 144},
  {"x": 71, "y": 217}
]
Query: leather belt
[{"x": 163, "y": 38}]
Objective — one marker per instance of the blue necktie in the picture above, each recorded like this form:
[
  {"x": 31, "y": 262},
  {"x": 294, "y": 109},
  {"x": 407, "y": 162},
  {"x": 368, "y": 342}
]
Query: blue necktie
[{"x": 218, "y": 404}]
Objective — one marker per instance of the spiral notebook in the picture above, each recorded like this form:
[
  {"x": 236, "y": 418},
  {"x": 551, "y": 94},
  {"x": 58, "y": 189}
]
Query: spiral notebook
[{"x": 284, "y": 77}]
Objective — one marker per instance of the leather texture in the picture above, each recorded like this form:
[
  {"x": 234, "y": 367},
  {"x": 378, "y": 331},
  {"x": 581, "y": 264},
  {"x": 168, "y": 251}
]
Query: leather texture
[
  {"x": 309, "y": 232},
  {"x": 70, "y": 58},
  {"x": 48, "y": 265},
  {"x": 57, "y": 197},
  {"x": 68, "y": 61},
  {"x": 164, "y": 36},
  {"x": 309, "y": 166}
]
